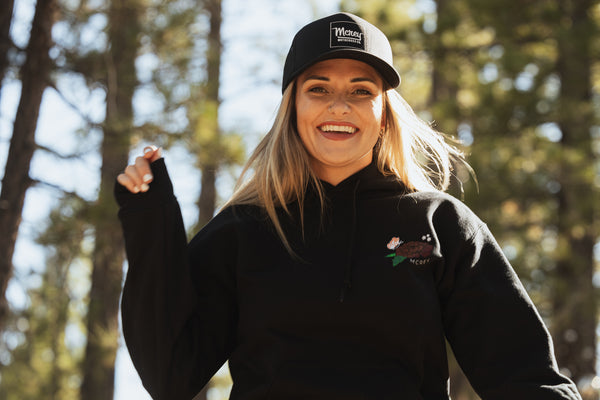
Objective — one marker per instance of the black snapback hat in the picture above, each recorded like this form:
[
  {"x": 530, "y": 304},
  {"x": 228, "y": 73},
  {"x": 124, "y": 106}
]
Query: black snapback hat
[{"x": 341, "y": 35}]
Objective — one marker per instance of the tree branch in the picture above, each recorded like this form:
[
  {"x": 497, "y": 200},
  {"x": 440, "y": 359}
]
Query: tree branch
[
  {"x": 37, "y": 182},
  {"x": 76, "y": 156},
  {"x": 74, "y": 107}
]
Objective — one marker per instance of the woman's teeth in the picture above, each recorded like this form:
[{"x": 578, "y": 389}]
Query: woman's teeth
[{"x": 337, "y": 128}]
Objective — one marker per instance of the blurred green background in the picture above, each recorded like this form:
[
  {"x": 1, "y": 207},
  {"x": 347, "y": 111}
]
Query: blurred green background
[{"x": 85, "y": 84}]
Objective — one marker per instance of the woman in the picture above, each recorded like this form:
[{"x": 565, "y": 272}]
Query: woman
[{"x": 338, "y": 269}]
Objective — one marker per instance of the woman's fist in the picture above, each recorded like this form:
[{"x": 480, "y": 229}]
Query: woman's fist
[{"x": 137, "y": 176}]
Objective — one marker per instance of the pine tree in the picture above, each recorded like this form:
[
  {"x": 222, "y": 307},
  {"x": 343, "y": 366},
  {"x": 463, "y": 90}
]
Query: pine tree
[
  {"x": 208, "y": 130},
  {"x": 46, "y": 358},
  {"x": 108, "y": 254},
  {"x": 35, "y": 78}
]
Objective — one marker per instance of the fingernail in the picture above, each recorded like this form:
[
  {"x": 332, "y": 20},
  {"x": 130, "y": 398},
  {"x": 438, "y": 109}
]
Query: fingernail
[
  {"x": 144, "y": 187},
  {"x": 136, "y": 189},
  {"x": 147, "y": 150},
  {"x": 147, "y": 178}
]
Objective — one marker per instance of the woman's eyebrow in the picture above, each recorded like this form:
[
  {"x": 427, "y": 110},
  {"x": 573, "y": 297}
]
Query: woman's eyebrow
[
  {"x": 316, "y": 77},
  {"x": 363, "y": 79},
  {"x": 353, "y": 80}
]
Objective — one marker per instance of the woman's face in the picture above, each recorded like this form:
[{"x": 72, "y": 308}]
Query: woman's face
[{"x": 339, "y": 110}]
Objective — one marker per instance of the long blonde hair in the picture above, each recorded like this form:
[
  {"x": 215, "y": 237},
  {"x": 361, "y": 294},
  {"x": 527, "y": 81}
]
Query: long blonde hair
[
  {"x": 410, "y": 149},
  {"x": 280, "y": 173}
]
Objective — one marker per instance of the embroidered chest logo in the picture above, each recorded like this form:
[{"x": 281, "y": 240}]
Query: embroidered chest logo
[{"x": 417, "y": 252}]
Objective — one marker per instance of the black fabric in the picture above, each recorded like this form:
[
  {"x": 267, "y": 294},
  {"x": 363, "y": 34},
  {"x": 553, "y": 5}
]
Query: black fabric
[
  {"x": 380, "y": 281},
  {"x": 341, "y": 35}
]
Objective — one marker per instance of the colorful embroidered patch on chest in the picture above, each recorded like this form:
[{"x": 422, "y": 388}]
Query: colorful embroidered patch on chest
[{"x": 417, "y": 252}]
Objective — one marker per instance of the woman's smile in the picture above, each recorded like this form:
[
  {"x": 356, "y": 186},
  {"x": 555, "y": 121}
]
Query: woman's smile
[{"x": 338, "y": 130}]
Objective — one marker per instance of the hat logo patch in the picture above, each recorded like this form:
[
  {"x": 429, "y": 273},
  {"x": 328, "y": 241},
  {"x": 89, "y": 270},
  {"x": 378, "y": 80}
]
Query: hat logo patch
[{"x": 346, "y": 34}]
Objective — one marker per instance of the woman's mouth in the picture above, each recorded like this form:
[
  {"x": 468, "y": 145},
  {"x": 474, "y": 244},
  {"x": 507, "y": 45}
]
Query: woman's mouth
[
  {"x": 337, "y": 131},
  {"x": 337, "y": 128}
]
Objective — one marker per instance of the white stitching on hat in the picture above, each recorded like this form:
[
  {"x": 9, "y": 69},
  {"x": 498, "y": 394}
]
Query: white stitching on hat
[{"x": 344, "y": 34}]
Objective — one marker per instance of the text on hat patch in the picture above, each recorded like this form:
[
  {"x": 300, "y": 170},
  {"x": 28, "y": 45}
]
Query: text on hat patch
[{"x": 346, "y": 34}]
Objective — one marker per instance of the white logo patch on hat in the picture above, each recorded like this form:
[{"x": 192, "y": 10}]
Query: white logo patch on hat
[{"x": 346, "y": 34}]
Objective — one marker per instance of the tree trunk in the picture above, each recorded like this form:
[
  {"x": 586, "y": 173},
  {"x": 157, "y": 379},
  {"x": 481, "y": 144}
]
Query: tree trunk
[
  {"x": 6, "y": 12},
  {"x": 575, "y": 312},
  {"x": 108, "y": 255},
  {"x": 210, "y": 162},
  {"x": 445, "y": 71},
  {"x": 56, "y": 279},
  {"x": 34, "y": 78}
]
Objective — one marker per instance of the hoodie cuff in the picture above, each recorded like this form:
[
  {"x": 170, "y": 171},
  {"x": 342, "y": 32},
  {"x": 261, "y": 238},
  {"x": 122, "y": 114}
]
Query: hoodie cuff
[{"x": 160, "y": 192}]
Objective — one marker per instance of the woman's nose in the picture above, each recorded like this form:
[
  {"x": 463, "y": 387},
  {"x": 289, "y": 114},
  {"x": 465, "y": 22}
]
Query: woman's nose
[{"x": 339, "y": 105}]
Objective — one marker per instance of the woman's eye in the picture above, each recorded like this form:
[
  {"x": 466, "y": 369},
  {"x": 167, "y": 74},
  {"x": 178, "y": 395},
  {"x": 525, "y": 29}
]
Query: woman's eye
[
  {"x": 363, "y": 92},
  {"x": 317, "y": 89}
]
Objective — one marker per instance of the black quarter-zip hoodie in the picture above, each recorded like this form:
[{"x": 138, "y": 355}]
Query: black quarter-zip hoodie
[{"x": 380, "y": 282}]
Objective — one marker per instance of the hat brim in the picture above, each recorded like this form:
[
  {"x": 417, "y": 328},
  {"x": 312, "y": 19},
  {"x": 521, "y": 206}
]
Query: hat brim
[{"x": 390, "y": 76}]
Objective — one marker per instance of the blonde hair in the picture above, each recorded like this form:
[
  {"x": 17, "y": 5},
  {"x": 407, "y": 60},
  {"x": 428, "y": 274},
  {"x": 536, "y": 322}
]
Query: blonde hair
[{"x": 409, "y": 149}]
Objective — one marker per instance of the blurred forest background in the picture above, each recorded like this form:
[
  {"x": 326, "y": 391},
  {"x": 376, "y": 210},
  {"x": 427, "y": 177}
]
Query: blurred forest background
[{"x": 517, "y": 81}]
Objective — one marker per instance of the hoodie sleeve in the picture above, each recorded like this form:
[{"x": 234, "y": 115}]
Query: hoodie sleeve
[
  {"x": 177, "y": 308},
  {"x": 496, "y": 333}
]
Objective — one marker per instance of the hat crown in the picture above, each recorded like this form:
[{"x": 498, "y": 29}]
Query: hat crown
[{"x": 341, "y": 35}]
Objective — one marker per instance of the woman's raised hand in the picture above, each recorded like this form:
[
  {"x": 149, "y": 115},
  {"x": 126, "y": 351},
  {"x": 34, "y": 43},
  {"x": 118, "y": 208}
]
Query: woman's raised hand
[{"x": 137, "y": 176}]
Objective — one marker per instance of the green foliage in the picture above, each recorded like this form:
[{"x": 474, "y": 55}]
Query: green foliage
[
  {"x": 43, "y": 362},
  {"x": 211, "y": 146}
]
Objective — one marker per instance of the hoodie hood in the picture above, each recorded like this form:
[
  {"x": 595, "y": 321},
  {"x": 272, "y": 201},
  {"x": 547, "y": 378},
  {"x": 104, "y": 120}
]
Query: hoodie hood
[
  {"x": 369, "y": 181},
  {"x": 341, "y": 211}
]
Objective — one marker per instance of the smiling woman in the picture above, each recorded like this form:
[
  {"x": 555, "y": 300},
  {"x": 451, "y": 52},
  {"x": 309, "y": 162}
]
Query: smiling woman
[{"x": 339, "y": 225}]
